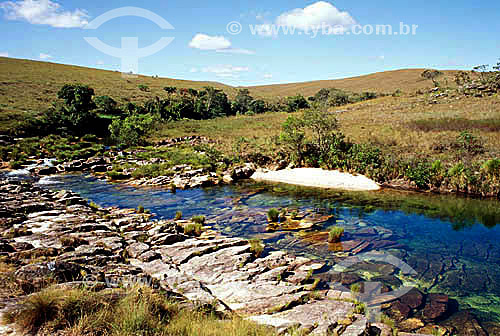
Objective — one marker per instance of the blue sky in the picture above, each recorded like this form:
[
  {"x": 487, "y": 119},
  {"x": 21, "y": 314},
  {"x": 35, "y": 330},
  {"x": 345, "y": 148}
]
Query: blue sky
[{"x": 450, "y": 35}]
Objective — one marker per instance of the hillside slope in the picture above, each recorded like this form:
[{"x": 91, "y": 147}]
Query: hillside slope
[
  {"x": 407, "y": 80},
  {"x": 28, "y": 87}
]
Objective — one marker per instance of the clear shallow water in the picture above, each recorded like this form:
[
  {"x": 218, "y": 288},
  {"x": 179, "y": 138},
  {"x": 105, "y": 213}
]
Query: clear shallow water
[{"x": 452, "y": 243}]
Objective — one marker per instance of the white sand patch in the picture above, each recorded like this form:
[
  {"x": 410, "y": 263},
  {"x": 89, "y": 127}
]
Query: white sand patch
[{"x": 316, "y": 177}]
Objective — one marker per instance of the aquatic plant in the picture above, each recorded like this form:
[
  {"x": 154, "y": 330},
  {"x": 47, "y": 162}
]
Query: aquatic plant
[
  {"x": 194, "y": 229},
  {"x": 198, "y": 219},
  {"x": 335, "y": 234},
  {"x": 256, "y": 247},
  {"x": 94, "y": 206},
  {"x": 178, "y": 215},
  {"x": 273, "y": 215}
]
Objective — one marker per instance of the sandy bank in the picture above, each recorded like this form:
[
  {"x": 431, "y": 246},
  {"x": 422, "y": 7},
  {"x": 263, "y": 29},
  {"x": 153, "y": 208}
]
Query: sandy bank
[{"x": 316, "y": 177}]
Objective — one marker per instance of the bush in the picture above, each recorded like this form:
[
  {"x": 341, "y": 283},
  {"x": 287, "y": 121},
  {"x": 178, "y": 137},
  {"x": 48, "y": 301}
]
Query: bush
[
  {"x": 296, "y": 103},
  {"x": 143, "y": 88},
  {"x": 199, "y": 220},
  {"x": 273, "y": 215},
  {"x": 335, "y": 234},
  {"x": 492, "y": 167},
  {"x": 133, "y": 129},
  {"x": 107, "y": 105},
  {"x": 178, "y": 215},
  {"x": 193, "y": 229},
  {"x": 419, "y": 172},
  {"x": 256, "y": 247}
]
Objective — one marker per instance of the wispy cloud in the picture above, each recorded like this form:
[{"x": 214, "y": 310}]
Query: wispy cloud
[
  {"x": 268, "y": 76},
  {"x": 193, "y": 70},
  {"x": 226, "y": 71},
  {"x": 4, "y": 54},
  {"x": 45, "y": 56},
  {"x": 236, "y": 51},
  {"x": 99, "y": 62},
  {"x": 44, "y": 12}
]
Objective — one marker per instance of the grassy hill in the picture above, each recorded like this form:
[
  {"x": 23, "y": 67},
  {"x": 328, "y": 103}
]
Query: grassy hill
[
  {"x": 407, "y": 80},
  {"x": 28, "y": 87}
]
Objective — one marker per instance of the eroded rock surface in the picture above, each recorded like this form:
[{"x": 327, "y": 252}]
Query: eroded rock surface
[{"x": 57, "y": 237}]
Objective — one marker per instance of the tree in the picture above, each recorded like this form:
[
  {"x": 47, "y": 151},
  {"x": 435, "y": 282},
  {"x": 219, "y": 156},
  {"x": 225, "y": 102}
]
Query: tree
[
  {"x": 323, "y": 126},
  {"x": 257, "y": 106},
  {"x": 77, "y": 112},
  {"x": 107, "y": 105},
  {"x": 170, "y": 89},
  {"x": 132, "y": 130},
  {"x": 296, "y": 103},
  {"x": 216, "y": 103},
  {"x": 293, "y": 137},
  {"x": 242, "y": 102},
  {"x": 432, "y": 75}
]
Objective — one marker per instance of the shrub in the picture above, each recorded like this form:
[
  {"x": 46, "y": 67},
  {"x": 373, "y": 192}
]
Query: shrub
[
  {"x": 133, "y": 129},
  {"x": 116, "y": 175},
  {"x": 273, "y": 215},
  {"x": 492, "y": 167},
  {"x": 335, "y": 234},
  {"x": 470, "y": 143},
  {"x": 420, "y": 173},
  {"x": 107, "y": 105},
  {"x": 178, "y": 215},
  {"x": 199, "y": 219},
  {"x": 143, "y": 88},
  {"x": 256, "y": 247},
  {"x": 193, "y": 229},
  {"x": 140, "y": 209},
  {"x": 296, "y": 103}
]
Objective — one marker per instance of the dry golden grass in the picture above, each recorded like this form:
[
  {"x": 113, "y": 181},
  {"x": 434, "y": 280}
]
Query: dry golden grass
[
  {"x": 138, "y": 311},
  {"x": 28, "y": 87},
  {"x": 406, "y": 80},
  {"x": 386, "y": 122}
]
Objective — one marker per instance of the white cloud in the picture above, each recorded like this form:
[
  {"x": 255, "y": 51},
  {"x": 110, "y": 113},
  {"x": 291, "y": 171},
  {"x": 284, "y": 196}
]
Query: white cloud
[
  {"x": 216, "y": 43},
  {"x": 226, "y": 71},
  {"x": 45, "y": 56},
  {"x": 268, "y": 76},
  {"x": 44, "y": 12},
  {"x": 100, "y": 62},
  {"x": 315, "y": 15},
  {"x": 206, "y": 42},
  {"x": 4, "y": 54},
  {"x": 236, "y": 51},
  {"x": 193, "y": 70}
]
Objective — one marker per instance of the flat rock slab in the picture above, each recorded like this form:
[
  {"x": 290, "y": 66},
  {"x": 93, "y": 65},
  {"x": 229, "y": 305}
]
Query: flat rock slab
[
  {"x": 319, "y": 178},
  {"x": 322, "y": 316}
]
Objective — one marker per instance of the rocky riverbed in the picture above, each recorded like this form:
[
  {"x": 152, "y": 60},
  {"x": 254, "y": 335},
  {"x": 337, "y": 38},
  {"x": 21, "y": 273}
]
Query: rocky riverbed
[{"x": 56, "y": 237}]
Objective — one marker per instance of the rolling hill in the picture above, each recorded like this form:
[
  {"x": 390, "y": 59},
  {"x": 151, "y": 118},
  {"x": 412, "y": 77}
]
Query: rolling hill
[{"x": 28, "y": 87}]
